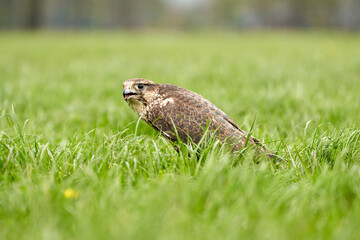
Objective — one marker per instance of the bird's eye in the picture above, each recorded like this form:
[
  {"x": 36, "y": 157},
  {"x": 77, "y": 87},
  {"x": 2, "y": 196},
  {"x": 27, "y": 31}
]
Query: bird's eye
[{"x": 140, "y": 86}]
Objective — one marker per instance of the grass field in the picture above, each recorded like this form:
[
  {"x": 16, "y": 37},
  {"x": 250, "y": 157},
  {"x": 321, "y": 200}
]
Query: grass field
[{"x": 74, "y": 163}]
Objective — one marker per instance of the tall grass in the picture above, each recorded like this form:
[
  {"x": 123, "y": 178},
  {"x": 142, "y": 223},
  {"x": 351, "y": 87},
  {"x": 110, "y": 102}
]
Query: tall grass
[{"x": 76, "y": 163}]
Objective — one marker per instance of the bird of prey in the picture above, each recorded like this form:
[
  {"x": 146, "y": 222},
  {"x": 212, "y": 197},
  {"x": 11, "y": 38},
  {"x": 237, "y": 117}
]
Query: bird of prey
[{"x": 179, "y": 113}]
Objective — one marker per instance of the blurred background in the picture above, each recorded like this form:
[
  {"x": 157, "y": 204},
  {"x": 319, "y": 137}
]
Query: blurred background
[
  {"x": 179, "y": 14},
  {"x": 69, "y": 80}
]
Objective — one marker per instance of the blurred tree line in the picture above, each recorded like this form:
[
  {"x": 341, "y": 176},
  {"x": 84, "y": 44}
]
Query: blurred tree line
[{"x": 183, "y": 14}]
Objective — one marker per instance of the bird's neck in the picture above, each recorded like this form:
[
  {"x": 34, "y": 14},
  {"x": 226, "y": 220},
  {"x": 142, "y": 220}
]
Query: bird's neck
[{"x": 138, "y": 107}]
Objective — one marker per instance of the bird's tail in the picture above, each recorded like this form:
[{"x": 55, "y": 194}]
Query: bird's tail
[
  {"x": 275, "y": 158},
  {"x": 262, "y": 150}
]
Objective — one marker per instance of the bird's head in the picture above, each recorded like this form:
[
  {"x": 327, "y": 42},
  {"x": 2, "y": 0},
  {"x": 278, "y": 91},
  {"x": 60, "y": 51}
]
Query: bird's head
[{"x": 140, "y": 90}]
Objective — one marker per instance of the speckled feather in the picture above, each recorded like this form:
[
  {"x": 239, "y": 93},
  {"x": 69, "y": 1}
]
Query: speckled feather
[{"x": 192, "y": 114}]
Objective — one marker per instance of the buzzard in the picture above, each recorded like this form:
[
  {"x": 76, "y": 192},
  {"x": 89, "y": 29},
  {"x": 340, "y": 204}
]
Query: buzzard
[{"x": 179, "y": 113}]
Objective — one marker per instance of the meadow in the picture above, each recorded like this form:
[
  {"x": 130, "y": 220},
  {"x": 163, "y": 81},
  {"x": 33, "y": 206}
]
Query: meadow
[{"x": 75, "y": 162}]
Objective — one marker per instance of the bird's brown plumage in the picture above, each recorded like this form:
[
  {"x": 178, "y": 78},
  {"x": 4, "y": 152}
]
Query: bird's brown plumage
[{"x": 173, "y": 111}]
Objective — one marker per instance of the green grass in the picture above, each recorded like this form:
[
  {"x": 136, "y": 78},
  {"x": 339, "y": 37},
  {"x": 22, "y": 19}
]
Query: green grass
[{"x": 76, "y": 164}]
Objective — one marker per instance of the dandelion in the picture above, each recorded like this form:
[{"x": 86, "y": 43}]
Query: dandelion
[{"x": 70, "y": 193}]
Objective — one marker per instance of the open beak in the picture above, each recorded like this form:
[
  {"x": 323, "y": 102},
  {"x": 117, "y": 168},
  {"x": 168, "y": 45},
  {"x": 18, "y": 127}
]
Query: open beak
[{"x": 127, "y": 93}]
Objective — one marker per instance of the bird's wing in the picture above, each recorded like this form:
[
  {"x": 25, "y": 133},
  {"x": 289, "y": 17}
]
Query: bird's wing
[
  {"x": 191, "y": 114},
  {"x": 177, "y": 115}
]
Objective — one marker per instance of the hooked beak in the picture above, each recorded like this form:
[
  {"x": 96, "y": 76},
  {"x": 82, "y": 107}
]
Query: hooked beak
[{"x": 127, "y": 93}]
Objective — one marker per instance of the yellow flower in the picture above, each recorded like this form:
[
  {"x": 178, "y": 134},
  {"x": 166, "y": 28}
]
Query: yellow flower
[{"x": 70, "y": 193}]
